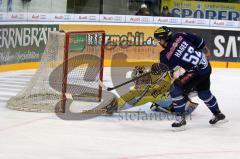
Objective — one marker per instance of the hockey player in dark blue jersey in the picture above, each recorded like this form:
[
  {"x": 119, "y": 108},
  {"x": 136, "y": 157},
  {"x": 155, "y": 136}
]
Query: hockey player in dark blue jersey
[{"x": 186, "y": 50}]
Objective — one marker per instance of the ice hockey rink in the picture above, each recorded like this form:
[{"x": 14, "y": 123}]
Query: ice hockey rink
[{"x": 25, "y": 135}]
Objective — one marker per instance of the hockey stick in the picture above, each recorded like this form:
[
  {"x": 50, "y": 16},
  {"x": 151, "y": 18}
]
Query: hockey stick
[
  {"x": 124, "y": 83},
  {"x": 158, "y": 69}
]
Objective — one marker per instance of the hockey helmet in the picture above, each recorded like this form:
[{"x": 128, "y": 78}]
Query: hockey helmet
[{"x": 163, "y": 32}]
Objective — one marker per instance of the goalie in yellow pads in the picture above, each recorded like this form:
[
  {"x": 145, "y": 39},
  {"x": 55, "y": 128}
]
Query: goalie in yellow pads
[{"x": 151, "y": 88}]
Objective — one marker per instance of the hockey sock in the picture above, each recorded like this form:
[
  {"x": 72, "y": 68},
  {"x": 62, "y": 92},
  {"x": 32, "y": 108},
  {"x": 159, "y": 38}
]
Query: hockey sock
[
  {"x": 210, "y": 101},
  {"x": 179, "y": 102}
]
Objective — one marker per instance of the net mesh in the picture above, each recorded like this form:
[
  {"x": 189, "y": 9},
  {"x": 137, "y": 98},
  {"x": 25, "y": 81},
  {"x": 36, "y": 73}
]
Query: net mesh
[{"x": 73, "y": 67}]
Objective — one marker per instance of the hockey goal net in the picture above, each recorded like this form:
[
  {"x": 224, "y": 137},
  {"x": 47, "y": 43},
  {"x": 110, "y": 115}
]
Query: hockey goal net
[{"x": 71, "y": 67}]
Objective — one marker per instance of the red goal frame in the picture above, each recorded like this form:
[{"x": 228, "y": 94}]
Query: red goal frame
[{"x": 65, "y": 64}]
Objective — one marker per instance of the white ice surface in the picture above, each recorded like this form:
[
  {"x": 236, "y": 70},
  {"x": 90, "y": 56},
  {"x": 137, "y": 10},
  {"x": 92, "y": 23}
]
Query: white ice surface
[{"x": 25, "y": 135}]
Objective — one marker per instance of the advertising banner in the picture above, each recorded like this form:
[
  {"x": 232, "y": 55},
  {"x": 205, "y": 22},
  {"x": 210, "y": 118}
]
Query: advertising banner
[
  {"x": 224, "y": 23},
  {"x": 224, "y": 44},
  {"x": 109, "y": 18},
  {"x": 194, "y": 21},
  {"x": 168, "y": 20},
  {"x": 17, "y": 16},
  {"x": 23, "y": 43},
  {"x": 26, "y": 43},
  {"x": 203, "y": 10},
  {"x": 86, "y": 17},
  {"x": 139, "y": 19},
  {"x": 77, "y": 42},
  {"x": 39, "y": 17},
  {"x": 133, "y": 42},
  {"x": 112, "y": 18},
  {"x": 62, "y": 17},
  {"x": 137, "y": 41}
]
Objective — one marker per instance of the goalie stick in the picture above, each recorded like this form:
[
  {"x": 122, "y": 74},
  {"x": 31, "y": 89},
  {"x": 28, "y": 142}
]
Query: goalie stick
[
  {"x": 163, "y": 71},
  {"x": 124, "y": 83}
]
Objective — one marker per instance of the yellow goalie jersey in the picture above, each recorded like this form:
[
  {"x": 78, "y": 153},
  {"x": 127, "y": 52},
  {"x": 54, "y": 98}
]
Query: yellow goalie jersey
[{"x": 149, "y": 88}]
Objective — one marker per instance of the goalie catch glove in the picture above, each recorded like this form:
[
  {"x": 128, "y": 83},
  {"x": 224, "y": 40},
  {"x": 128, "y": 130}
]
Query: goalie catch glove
[{"x": 137, "y": 71}]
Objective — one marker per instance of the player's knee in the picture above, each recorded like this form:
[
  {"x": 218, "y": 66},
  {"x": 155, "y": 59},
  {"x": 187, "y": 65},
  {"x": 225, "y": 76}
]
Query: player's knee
[
  {"x": 176, "y": 91},
  {"x": 204, "y": 95}
]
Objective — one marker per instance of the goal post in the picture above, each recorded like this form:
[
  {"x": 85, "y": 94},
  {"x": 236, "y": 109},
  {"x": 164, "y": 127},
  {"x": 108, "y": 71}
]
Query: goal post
[
  {"x": 71, "y": 65},
  {"x": 95, "y": 39}
]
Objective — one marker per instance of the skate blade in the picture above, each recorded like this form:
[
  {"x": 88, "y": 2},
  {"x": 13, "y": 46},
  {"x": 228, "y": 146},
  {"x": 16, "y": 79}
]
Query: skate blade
[
  {"x": 221, "y": 122},
  {"x": 182, "y": 128}
]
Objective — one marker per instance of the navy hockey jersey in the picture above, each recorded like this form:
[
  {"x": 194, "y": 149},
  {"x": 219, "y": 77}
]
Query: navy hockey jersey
[{"x": 185, "y": 50}]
